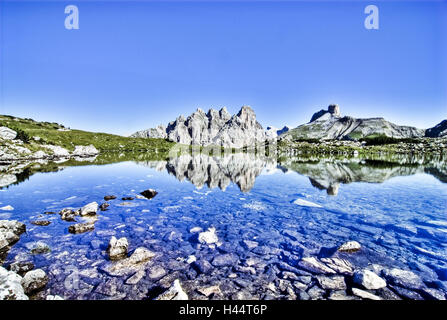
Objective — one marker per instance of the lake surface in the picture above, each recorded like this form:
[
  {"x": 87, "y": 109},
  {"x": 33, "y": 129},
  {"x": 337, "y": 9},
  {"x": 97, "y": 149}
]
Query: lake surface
[{"x": 290, "y": 209}]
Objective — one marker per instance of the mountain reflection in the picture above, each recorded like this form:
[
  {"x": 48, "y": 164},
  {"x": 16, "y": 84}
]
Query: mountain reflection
[
  {"x": 242, "y": 168},
  {"x": 323, "y": 173}
]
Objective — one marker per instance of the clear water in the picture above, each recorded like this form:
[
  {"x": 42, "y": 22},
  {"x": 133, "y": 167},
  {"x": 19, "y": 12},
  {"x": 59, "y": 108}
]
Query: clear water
[{"x": 400, "y": 221}]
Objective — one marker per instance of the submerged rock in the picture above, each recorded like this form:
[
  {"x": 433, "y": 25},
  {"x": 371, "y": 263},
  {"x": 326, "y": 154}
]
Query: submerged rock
[
  {"x": 41, "y": 222},
  {"x": 104, "y": 206},
  {"x": 350, "y": 246},
  {"x": 175, "y": 292},
  {"x": 117, "y": 248},
  {"x": 365, "y": 294},
  {"x": 81, "y": 227},
  {"x": 149, "y": 193},
  {"x": 34, "y": 280},
  {"x": 312, "y": 264},
  {"x": 332, "y": 283},
  {"x": 208, "y": 237},
  {"x": 134, "y": 263},
  {"x": 369, "y": 280},
  {"x": 403, "y": 278},
  {"x": 11, "y": 286},
  {"x": 38, "y": 247}
]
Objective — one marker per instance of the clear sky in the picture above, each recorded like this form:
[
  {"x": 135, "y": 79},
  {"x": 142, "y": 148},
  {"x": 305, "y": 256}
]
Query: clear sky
[{"x": 134, "y": 65}]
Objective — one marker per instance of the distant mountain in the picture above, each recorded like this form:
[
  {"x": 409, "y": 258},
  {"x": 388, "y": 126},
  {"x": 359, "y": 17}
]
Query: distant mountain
[
  {"x": 440, "y": 130},
  {"x": 329, "y": 124},
  {"x": 211, "y": 128}
]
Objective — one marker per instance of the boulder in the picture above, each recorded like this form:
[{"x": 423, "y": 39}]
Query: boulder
[
  {"x": 81, "y": 227},
  {"x": 137, "y": 261},
  {"x": 11, "y": 286},
  {"x": 34, "y": 280},
  {"x": 149, "y": 193},
  {"x": 107, "y": 198},
  {"x": 67, "y": 215},
  {"x": 117, "y": 249},
  {"x": 58, "y": 151},
  {"x": 369, "y": 280},
  {"x": 332, "y": 282},
  {"x": 89, "y": 209},
  {"x": 7, "y": 134}
]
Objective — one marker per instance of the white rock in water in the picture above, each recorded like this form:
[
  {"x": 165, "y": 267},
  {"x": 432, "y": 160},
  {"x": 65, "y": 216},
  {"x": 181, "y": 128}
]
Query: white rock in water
[
  {"x": 34, "y": 280},
  {"x": 7, "y": 134},
  {"x": 208, "y": 237},
  {"x": 7, "y": 208},
  {"x": 83, "y": 151},
  {"x": 175, "y": 292},
  {"x": 369, "y": 280},
  {"x": 350, "y": 246},
  {"x": 117, "y": 248},
  {"x": 10, "y": 286},
  {"x": 305, "y": 203},
  {"x": 89, "y": 209}
]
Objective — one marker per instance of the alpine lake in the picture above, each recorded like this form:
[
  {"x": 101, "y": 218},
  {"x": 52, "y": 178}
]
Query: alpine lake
[{"x": 278, "y": 222}]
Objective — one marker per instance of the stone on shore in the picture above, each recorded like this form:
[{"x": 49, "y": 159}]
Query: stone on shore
[
  {"x": 117, "y": 248},
  {"x": 369, "y": 280},
  {"x": 34, "y": 280}
]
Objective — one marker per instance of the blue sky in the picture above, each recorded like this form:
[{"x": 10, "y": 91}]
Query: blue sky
[{"x": 135, "y": 65}]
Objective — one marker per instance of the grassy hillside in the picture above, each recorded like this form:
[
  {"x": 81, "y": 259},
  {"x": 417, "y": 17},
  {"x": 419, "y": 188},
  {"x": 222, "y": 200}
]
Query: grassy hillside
[{"x": 54, "y": 134}]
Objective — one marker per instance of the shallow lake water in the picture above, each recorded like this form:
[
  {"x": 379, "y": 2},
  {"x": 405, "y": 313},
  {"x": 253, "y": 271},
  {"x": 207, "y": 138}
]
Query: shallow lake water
[{"x": 289, "y": 210}]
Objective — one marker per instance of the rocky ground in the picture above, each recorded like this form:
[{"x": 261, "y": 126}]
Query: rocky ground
[{"x": 421, "y": 146}]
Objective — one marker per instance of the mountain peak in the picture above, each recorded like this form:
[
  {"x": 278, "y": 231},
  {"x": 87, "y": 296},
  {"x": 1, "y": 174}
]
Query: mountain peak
[{"x": 333, "y": 110}]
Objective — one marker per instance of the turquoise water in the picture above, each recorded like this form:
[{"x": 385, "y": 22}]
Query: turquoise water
[{"x": 400, "y": 222}]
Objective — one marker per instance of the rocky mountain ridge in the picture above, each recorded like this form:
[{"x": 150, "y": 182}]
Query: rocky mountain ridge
[
  {"x": 211, "y": 128},
  {"x": 331, "y": 125},
  {"x": 241, "y": 130}
]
